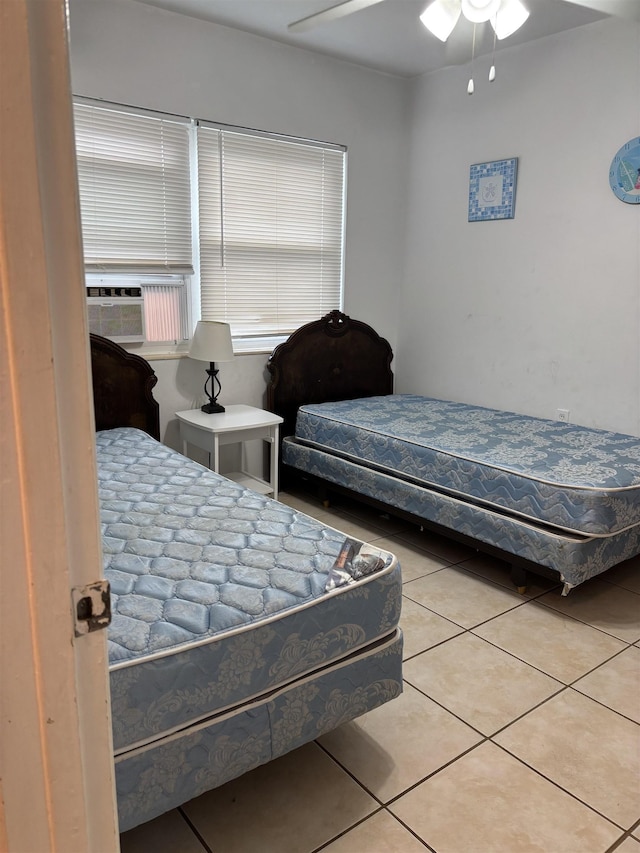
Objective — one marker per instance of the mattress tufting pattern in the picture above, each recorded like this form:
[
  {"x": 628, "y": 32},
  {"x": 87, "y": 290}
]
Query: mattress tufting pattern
[{"x": 218, "y": 593}]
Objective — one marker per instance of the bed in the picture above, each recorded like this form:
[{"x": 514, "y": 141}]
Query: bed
[
  {"x": 548, "y": 497},
  {"x": 241, "y": 627}
]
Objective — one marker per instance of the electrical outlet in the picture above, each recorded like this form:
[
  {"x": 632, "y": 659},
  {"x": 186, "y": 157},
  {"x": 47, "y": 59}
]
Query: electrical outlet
[{"x": 562, "y": 415}]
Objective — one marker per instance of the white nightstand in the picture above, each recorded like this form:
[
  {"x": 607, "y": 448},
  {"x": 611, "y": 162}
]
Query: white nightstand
[{"x": 234, "y": 426}]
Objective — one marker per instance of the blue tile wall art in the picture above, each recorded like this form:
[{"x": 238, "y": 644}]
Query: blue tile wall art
[{"x": 492, "y": 190}]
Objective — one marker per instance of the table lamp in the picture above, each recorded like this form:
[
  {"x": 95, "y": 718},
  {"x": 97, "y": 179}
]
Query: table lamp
[{"x": 212, "y": 342}]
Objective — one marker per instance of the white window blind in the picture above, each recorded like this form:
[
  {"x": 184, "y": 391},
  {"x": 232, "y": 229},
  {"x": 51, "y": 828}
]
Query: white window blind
[
  {"x": 135, "y": 194},
  {"x": 270, "y": 230}
]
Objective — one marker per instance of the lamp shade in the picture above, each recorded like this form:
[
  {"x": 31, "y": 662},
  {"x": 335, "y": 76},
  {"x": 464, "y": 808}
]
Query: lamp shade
[{"x": 211, "y": 342}]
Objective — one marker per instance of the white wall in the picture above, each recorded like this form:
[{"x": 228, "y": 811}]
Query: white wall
[
  {"x": 532, "y": 314},
  {"x": 539, "y": 312},
  {"x": 143, "y": 56}
]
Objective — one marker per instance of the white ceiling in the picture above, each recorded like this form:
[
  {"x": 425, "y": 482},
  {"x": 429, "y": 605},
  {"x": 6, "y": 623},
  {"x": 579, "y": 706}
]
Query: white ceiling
[{"x": 389, "y": 36}]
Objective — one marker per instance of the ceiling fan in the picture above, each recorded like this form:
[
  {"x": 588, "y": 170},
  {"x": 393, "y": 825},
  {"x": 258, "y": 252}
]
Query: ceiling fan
[
  {"x": 447, "y": 10},
  {"x": 506, "y": 16}
]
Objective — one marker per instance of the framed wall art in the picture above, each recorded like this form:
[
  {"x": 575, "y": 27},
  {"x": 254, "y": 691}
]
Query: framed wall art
[
  {"x": 492, "y": 190},
  {"x": 624, "y": 174}
]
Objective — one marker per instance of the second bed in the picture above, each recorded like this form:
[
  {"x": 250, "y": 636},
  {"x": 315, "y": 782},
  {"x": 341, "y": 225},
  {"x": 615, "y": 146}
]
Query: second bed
[{"x": 547, "y": 496}]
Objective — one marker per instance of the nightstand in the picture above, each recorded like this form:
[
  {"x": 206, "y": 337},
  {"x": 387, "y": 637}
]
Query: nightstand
[{"x": 234, "y": 426}]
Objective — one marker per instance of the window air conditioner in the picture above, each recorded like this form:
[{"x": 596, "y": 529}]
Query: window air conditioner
[{"x": 116, "y": 313}]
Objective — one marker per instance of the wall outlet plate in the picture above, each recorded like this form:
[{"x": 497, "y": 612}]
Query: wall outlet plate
[{"x": 562, "y": 415}]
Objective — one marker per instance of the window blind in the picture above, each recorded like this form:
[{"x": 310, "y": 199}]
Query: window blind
[
  {"x": 135, "y": 194},
  {"x": 270, "y": 230}
]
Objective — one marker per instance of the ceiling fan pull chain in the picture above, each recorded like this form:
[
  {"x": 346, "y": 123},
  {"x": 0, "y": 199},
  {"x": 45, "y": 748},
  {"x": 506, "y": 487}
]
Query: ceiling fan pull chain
[
  {"x": 473, "y": 54},
  {"x": 492, "y": 70}
]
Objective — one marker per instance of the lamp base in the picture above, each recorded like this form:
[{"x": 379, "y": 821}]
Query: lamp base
[{"x": 212, "y": 408}]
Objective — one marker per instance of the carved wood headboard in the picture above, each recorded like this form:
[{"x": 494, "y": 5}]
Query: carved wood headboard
[
  {"x": 122, "y": 388},
  {"x": 334, "y": 358}
]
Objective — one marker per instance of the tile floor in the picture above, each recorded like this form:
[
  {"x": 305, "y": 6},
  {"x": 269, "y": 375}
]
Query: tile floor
[{"x": 518, "y": 729}]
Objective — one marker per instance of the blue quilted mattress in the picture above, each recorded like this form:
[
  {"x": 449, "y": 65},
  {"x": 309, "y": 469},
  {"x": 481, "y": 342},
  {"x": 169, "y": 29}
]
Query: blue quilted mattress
[
  {"x": 219, "y": 594},
  {"x": 569, "y": 477}
]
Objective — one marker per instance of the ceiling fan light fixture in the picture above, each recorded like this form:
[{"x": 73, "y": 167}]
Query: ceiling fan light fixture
[
  {"x": 479, "y": 11},
  {"x": 511, "y": 16},
  {"x": 440, "y": 17}
]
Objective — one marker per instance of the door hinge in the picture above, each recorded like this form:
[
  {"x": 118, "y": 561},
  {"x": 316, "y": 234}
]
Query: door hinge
[{"x": 91, "y": 607}]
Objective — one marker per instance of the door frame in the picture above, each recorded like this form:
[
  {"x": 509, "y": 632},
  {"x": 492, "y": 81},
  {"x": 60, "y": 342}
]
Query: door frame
[{"x": 57, "y": 777}]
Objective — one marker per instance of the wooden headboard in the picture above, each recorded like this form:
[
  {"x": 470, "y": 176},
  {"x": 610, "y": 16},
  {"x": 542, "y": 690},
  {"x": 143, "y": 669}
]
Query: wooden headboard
[
  {"x": 335, "y": 358},
  {"x": 122, "y": 384}
]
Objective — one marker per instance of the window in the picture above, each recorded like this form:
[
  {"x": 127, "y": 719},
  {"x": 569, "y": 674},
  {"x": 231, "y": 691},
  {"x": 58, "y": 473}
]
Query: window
[
  {"x": 267, "y": 211},
  {"x": 271, "y": 214},
  {"x": 135, "y": 191},
  {"x": 135, "y": 197}
]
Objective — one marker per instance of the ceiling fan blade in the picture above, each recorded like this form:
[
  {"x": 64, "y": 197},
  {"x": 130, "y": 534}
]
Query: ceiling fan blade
[{"x": 347, "y": 7}]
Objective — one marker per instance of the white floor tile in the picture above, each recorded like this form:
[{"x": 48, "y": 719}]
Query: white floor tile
[
  {"x": 605, "y": 606},
  {"x": 399, "y": 744},
  {"x": 168, "y": 833},
  {"x": 423, "y": 629},
  {"x": 479, "y": 683},
  {"x": 629, "y": 845},
  {"x": 290, "y": 805},
  {"x": 489, "y": 802},
  {"x": 381, "y": 833},
  {"x": 616, "y": 684},
  {"x": 586, "y": 749},
  {"x": 462, "y": 597},
  {"x": 550, "y": 640}
]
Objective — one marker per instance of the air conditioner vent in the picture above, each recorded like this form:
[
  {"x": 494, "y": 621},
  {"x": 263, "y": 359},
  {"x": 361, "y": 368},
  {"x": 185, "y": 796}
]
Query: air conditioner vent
[
  {"x": 118, "y": 317},
  {"x": 114, "y": 292}
]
